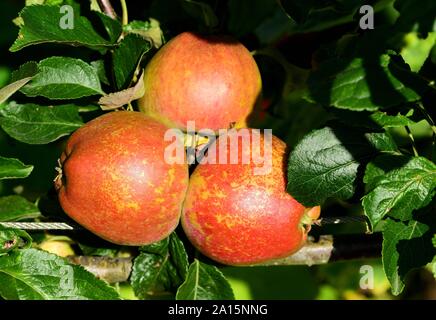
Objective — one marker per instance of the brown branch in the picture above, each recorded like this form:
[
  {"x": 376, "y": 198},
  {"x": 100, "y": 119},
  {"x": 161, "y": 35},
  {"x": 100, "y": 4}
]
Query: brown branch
[
  {"x": 326, "y": 249},
  {"x": 107, "y": 8},
  {"x": 312, "y": 253},
  {"x": 110, "y": 269}
]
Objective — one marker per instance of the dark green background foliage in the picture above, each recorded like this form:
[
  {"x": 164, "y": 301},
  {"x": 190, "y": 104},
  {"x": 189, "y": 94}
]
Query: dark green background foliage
[{"x": 355, "y": 107}]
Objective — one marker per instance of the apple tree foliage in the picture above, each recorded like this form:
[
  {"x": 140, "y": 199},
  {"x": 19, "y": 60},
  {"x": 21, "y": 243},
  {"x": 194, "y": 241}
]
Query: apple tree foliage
[{"x": 341, "y": 112}]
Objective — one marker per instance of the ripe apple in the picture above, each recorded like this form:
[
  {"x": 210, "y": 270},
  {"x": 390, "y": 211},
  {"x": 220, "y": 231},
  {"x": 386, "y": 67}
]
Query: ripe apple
[
  {"x": 115, "y": 182},
  {"x": 238, "y": 218},
  {"x": 212, "y": 80}
]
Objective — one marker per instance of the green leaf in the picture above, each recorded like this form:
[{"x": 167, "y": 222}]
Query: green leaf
[
  {"x": 390, "y": 121},
  {"x": 201, "y": 11},
  {"x": 91, "y": 250},
  {"x": 32, "y": 274},
  {"x": 246, "y": 15},
  {"x": 100, "y": 69},
  {"x": 398, "y": 186},
  {"x": 127, "y": 57},
  {"x": 63, "y": 78},
  {"x": 20, "y": 78},
  {"x": 364, "y": 84},
  {"x": 42, "y": 25},
  {"x": 28, "y": 69},
  {"x": 405, "y": 246},
  {"x": 274, "y": 28},
  {"x": 113, "y": 27},
  {"x": 416, "y": 50},
  {"x": 204, "y": 282},
  {"x": 374, "y": 120},
  {"x": 5, "y": 73},
  {"x": 47, "y": 2},
  {"x": 179, "y": 255},
  {"x": 160, "y": 268},
  {"x": 34, "y": 124},
  {"x": 149, "y": 30},
  {"x": 14, "y": 208},
  {"x": 289, "y": 118},
  {"x": 325, "y": 162},
  {"x": 413, "y": 17},
  {"x": 11, "y": 239},
  {"x": 314, "y": 15},
  {"x": 13, "y": 168}
]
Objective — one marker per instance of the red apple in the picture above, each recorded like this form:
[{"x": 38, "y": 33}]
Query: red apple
[
  {"x": 212, "y": 80},
  {"x": 116, "y": 183},
  {"x": 236, "y": 217}
]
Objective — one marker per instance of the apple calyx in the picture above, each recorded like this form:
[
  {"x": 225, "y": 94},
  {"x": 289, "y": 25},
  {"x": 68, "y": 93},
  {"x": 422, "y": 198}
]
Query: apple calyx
[{"x": 309, "y": 218}]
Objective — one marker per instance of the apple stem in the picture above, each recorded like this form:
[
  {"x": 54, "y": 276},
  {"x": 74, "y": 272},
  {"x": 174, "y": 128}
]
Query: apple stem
[
  {"x": 194, "y": 140},
  {"x": 412, "y": 140},
  {"x": 125, "y": 15},
  {"x": 58, "y": 179}
]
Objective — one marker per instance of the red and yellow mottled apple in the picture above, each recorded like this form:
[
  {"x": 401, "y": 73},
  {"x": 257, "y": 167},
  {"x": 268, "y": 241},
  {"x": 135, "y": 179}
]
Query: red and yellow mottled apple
[
  {"x": 238, "y": 218},
  {"x": 115, "y": 182},
  {"x": 212, "y": 80}
]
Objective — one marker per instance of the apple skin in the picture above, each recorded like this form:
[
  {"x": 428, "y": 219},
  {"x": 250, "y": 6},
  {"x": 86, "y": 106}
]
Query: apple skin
[
  {"x": 212, "y": 80},
  {"x": 115, "y": 182},
  {"x": 237, "y": 218}
]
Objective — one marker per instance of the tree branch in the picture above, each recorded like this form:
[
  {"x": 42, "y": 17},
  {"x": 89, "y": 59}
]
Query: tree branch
[
  {"x": 110, "y": 269},
  {"x": 326, "y": 249},
  {"x": 107, "y": 8}
]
